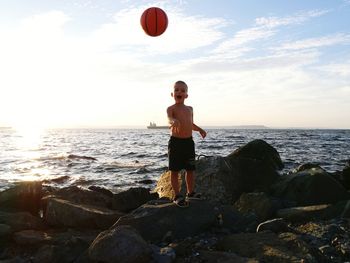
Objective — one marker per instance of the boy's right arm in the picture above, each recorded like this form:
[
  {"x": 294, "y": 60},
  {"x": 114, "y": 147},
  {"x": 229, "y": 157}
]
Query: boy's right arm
[{"x": 174, "y": 123}]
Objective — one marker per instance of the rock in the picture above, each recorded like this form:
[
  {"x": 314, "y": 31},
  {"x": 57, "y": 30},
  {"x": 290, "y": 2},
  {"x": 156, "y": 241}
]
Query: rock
[
  {"x": 309, "y": 187},
  {"x": 303, "y": 213},
  {"x": 21, "y": 221},
  {"x": 65, "y": 213},
  {"x": 215, "y": 179},
  {"x": 250, "y": 168},
  {"x": 259, "y": 203},
  {"x": 276, "y": 225},
  {"x": 223, "y": 257},
  {"x": 24, "y": 196},
  {"x": 163, "y": 255},
  {"x": 255, "y": 165},
  {"x": 67, "y": 253},
  {"x": 5, "y": 230},
  {"x": 30, "y": 237},
  {"x": 345, "y": 177},
  {"x": 153, "y": 221},
  {"x": 132, "y": 198},
  {"x": 120, "y": 244},
  {"x": 101, "y": 190},
  {"x": 81, "y": 196},
  {"x": 269, "y": 247}
]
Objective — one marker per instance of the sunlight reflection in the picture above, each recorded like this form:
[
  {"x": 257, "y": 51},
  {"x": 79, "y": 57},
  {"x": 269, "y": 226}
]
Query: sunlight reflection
[{"x": 29, "y": 138}]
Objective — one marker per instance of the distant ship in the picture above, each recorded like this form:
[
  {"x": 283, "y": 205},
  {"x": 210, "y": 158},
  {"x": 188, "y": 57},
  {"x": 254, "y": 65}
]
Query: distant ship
[{"x": 153, "y": 125}]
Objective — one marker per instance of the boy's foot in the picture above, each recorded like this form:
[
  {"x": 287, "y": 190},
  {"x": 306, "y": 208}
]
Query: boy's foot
[
  {"x": 193, "y": 196},
  {"x": 180, "y": 201}
]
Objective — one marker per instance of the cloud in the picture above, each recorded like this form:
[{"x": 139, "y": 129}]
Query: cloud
[
  {"x": 184, "y": 33},
  {"x": 330, "y": 40},
  {"x": 337, "y": 69},
  {"x": 264, "y": 29},
  {"x": 272, "y": 22}
]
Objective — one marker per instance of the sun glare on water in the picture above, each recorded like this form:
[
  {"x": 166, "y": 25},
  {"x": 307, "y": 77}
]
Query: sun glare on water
[{"x": 28, "y": 140}]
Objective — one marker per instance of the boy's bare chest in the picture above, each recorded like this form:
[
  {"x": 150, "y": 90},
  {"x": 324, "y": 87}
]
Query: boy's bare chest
[{"x": 183, "y": 113}]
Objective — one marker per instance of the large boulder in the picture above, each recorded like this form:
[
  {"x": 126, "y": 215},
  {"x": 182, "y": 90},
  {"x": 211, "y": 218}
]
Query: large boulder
[
  {"x": 309, "y": 187},
  {"x": 156, "y": 220},
  {"x": 83, "y": 196},
  {"x": 120, "y": 244},
  {"x": 65, "y": 213},
  {"x": 21, "y": 221},
  {"x": 24, "y": 196},
  {"x": 267, "y": 246},
  {"x": 260, "y": 203},
  {"x": 132, "y": 198},
  {"x": 255, "y": 166},
  {"x": 249, "y": 168}
]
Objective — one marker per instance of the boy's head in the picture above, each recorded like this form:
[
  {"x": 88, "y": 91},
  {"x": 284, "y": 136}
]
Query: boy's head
[{"x": 180, "y": 91}]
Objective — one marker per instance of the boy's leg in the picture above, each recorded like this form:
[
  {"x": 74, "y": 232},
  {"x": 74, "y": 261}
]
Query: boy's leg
[
  {"x": 174, "y": 180},
  {"x": 190, "y": 181}
]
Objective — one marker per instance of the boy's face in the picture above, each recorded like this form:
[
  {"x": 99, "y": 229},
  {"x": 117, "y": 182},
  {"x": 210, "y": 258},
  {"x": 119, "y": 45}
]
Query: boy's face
[{"x": 180, "y": 92}]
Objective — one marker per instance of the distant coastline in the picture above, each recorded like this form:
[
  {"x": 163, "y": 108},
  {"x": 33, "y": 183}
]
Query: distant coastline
[{"x": 252, "y": 127}]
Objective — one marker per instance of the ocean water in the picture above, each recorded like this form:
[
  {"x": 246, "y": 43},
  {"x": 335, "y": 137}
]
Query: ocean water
[{"x": 122, "y": 158}]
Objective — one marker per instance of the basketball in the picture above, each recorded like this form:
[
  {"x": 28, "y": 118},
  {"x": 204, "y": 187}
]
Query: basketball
[{"x": 154, "y": 21}]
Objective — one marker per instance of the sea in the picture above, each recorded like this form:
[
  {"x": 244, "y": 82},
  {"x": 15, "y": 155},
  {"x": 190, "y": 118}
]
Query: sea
[{"x": 118, "y": 159}]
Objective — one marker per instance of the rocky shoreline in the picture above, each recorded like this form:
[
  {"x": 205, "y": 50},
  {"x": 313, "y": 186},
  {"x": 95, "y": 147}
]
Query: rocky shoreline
[{"x": 250, "y": 213}]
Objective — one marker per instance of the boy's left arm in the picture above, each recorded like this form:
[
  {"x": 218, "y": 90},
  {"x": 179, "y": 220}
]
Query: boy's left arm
[{"x": 200, "y": 130}]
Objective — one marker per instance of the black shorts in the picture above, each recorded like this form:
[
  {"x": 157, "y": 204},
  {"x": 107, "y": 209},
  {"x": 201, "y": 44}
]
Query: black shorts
[{"x": 181, "y": 154}]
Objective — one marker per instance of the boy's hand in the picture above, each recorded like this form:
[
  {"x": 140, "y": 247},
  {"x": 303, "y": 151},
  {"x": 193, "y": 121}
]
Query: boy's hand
[
  {"x": 175, "y": 126},
  {"x": 203, "y": 133}
]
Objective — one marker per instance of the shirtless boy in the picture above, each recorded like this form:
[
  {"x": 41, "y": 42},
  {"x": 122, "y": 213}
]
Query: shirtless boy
[{"x": 181, "y": 148}]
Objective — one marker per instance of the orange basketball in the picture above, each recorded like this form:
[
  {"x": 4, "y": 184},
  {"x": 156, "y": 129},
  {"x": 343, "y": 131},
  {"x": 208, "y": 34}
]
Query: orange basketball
[{"x": 154, "y": 21}]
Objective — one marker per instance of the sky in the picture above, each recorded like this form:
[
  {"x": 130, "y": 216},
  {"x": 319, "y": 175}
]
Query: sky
[{"x": 75, "y": 63}]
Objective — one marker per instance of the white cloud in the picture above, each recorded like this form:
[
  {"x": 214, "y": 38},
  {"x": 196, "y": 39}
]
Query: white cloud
[
  {"x": 264, "y": 28},
  {"x": 317, "y": 42},
  {"x": 272, "y": 22}
]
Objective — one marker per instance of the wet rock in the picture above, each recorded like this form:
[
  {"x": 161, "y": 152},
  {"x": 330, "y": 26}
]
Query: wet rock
[
  {"x": 153, "y": 222},
  {"x": 269, "y": 247},
  {"x": 81, "y": 196},
  {"x": 65, "y": 213},
  {"x": 21, "y": 221},
  {"x": 309, "y": 187},
  {"x": 30, "y": 237},
  {"x": 101, "y": 190},
  {"x": 24, "y": 196},
  {"x": 224, "y": 257},
  {"x": 132, "y": 198},
  {"x": 303, "y": 213},
  {"x": 120, "y": 244},
  {"x": 5, "y": 230},
  {"x": 259, "y": 203},
  {"x": 276, "y": 225}
]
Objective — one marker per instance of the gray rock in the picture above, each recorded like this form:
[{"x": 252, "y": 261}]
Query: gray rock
[
  {"x": 132, "y": 199},
  {"x": 260, "y": 203},
  {"x": 5, "y": 230},
  {"x": 65, "y": 213},
  {"x": 303, "y": 213},
  {"x": 153, "y": 221},
  {"x": 310, "y": 187},
  {"x": 270, "y": 247},
  {"x": 276, "y": 225},
  {"x": 80, "y": 195},
  {"x": 120, "y": 244},
  {"x": 24, "y": 196},
  {"x": 21, "y": 221},
  {"x": 30, "y": 237}
]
